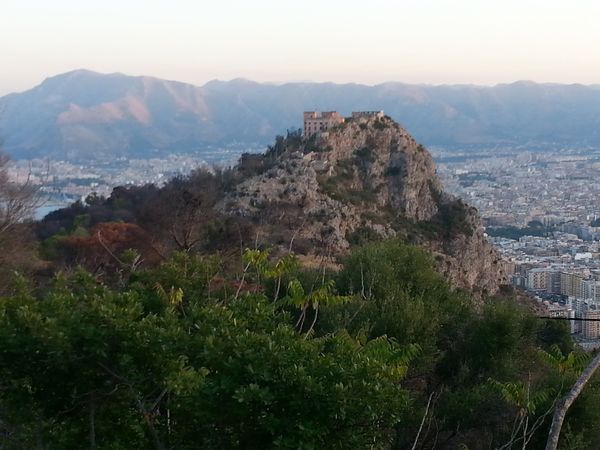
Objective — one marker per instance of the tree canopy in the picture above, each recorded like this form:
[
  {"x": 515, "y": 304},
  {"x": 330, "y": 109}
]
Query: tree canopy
[{"x": 188, "y": 355}]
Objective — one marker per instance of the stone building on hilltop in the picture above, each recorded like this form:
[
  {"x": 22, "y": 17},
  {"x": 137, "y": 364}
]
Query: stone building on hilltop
[
  {"x": 316, "y": 122},
  {"x": 319, "y": 122},
  {"x": 367, "y": 114}
]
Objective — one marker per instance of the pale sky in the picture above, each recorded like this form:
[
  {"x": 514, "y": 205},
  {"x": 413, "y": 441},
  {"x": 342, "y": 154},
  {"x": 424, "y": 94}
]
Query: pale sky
[{"x": 371, "y": 41}]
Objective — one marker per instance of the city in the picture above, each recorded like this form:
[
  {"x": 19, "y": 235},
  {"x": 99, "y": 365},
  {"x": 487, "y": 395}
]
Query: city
[
  {"x": 64, "y": 182},
  {"x": 539, "y": 213}
]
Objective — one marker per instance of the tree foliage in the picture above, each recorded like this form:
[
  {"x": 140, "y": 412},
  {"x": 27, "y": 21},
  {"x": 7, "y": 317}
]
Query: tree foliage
[
  {"x": 190, "y": 354},
  {"x": 18, "y": 202},
  {"x": 161, "y": 363}
]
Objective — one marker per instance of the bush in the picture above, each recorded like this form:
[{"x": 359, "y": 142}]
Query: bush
[
  {"x": 165, "y": 361},
  {"x": 392, "y": 171},
  {"x": 365, "y": 154},
  {"x": 189, "y": 356},
  {"x": 451, "y": 220},
  {"x": 362, "y": 235},
  {"x": 380, "y": 124}
]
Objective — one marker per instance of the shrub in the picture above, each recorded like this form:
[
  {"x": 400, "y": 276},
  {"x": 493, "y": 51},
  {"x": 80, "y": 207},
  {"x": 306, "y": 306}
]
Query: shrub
[
  {"x": 365, "y": 154},
  {"x": 392, "y": 171},
  {"x": 362, "y": 235},
  {"x": 380, "y": 124}
]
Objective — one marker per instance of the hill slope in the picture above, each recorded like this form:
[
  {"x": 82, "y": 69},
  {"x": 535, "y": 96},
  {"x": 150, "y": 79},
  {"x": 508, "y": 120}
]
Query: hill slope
[
  {"x": 364, "y": 181},
  {"x": 367, "y": 179},
  {"x": 81, "y": 114}
]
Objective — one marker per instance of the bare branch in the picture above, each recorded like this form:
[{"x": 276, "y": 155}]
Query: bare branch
[
  {"x": 414, "y": 446},
  {"x": 565, "y": 403}
]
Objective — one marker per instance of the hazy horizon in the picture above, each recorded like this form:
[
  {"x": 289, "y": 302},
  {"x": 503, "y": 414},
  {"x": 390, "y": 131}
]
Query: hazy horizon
[
  {"x": 424, "y": 42},
  {"x": 292, "y": 81}
]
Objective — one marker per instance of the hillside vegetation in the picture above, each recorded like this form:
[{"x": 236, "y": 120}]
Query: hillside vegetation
[
  {"x": 367, "y": 180},
  {"x": 324, "y": 295},
  {"x": 381, "y": 354}
]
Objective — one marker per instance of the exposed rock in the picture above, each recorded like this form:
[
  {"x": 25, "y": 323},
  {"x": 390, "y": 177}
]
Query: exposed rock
[{"x": 365, "y": 179}]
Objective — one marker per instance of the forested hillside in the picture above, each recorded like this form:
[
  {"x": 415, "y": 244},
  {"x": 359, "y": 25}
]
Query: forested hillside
[{"x": 312, "y": 297}]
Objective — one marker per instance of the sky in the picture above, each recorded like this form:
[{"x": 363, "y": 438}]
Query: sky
[{"x": 372, "y": 41}]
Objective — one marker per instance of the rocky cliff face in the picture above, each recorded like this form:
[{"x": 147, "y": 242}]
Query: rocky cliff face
[{"x": 365, "y": 179}]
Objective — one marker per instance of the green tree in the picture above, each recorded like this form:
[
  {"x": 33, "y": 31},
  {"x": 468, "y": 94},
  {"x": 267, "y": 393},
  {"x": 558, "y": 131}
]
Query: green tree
[{"x": 85, "y": 363}]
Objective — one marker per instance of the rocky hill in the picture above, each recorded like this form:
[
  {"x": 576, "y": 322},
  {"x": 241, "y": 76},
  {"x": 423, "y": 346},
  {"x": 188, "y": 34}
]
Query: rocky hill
[{"x": 366, "y": 179}]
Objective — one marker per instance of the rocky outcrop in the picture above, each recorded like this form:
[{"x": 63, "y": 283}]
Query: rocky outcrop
[
  {"x": 365, "y": 179},
  {"x": 468, "y": 260}
]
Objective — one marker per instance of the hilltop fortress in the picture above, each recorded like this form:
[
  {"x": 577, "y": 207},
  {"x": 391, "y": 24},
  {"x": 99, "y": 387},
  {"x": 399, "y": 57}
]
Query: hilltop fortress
[
  {"x": 316, "y": 122},
  {"x": 361, "y": 178}
]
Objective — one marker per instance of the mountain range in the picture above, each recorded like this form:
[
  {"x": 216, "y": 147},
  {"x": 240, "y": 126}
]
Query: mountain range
[{"x": 83, "y": 114}]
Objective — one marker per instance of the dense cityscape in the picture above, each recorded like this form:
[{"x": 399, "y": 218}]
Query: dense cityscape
[
  {"x": 539, "y": 213},
  {"x": 64, "y": 182}
]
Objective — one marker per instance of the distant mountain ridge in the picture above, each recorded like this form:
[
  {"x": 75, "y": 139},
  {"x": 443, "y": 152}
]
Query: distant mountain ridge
[{"x": 84, "y": 114}]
